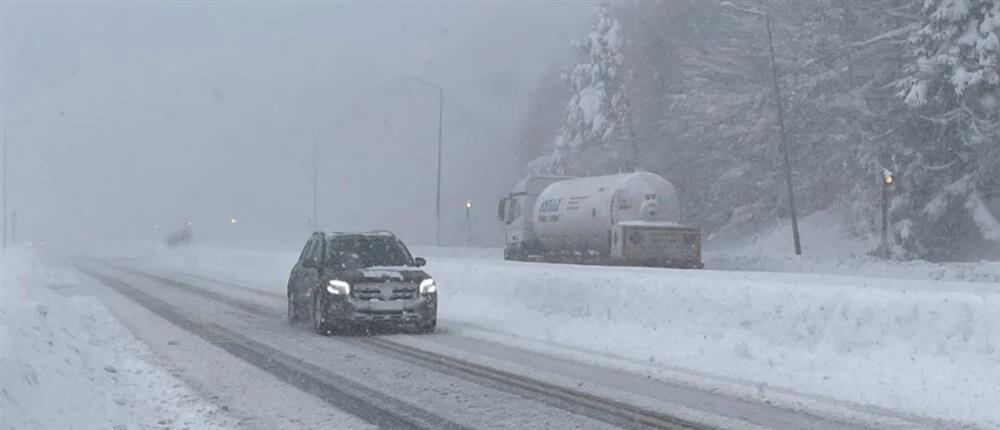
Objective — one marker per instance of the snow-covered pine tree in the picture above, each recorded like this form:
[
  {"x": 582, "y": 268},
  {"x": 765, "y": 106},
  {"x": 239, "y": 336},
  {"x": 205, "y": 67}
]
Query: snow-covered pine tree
[
  {"x": 948, "y": 160},
  {"x": 702, "y": 100},
  {"x": 540, "y": 124},
  {"x": 598, "y": 136}
]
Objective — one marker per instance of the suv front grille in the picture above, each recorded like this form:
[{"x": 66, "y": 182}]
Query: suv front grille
[{"x": 384, "y": 291}]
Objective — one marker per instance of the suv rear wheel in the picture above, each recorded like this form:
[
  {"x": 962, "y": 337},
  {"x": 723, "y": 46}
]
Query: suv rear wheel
[{"x": 294, "y": 313}]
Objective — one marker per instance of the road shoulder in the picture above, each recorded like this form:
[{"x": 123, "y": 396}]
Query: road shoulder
[{"x": 69, "y": 363}]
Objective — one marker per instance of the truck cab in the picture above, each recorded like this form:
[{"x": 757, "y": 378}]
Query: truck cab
[{"x": 515, "y": 211}]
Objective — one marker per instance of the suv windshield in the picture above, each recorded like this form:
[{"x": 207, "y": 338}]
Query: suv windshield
[{"x": 362, "y": 252}]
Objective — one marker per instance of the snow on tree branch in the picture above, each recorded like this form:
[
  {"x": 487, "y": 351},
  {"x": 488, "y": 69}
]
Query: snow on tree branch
[{"x": 597, "y": 135}]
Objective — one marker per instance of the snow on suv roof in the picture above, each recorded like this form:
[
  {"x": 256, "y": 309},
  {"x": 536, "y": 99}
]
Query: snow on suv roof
[{"x": 382, "y": 233}]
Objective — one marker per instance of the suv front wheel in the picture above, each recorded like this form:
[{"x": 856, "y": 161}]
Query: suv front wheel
[{"x": 319, "y": 323}]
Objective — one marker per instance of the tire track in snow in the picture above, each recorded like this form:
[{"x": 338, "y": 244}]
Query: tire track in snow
[
  {"x": 573, "y": 401},
  {"x": 367, "y": 404}
]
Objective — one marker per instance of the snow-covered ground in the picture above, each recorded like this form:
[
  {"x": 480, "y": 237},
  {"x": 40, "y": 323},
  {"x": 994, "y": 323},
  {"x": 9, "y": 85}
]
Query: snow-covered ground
[
  {"x": 925, "y": 347},
  {"x": 68, "y": 364},
  {"x": 829, "y": 247}
]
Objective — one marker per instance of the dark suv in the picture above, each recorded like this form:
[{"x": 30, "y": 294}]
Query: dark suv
[{"x": 344, "y": 280}]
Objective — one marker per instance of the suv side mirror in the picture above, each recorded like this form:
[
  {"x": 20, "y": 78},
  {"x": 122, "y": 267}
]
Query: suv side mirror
[
  {"x": 310, "y": 263},
  {"x": 420, "y": 261}
]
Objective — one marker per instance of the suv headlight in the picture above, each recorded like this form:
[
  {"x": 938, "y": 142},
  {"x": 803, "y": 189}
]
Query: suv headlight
[
  {"x": 427, "y": 286},
  {"x": 338, "y": 287}
]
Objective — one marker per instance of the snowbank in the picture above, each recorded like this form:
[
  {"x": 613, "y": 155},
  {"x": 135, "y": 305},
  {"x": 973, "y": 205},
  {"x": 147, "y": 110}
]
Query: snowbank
[
  {"x": 927, "y": 348},
  {"x": 67, "y": 363},
  {"x": 931, "y": 348}
]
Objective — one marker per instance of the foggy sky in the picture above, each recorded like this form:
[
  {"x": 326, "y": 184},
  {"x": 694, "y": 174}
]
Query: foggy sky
[{"x": 121, "y": 116}]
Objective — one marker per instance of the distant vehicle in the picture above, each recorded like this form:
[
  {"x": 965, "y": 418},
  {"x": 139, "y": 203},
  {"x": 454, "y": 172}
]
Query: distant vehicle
[
  {"x": 180, "y": 237},
  {"x": 628, "y": 219},
  {"x": 347, "y": 280}
]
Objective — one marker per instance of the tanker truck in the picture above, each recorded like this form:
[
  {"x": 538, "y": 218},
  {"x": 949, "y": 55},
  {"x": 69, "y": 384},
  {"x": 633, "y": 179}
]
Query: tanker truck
[{"x": 624, "y": 219}]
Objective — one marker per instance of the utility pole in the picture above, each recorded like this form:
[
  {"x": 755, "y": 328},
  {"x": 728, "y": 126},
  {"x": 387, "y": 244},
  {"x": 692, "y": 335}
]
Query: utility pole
[
  {"x": 315, "y": 179},
  {"x": 437, "y": 205},
  {"x": 780, "y": 104},
  {"x": 784, "y": 140}
]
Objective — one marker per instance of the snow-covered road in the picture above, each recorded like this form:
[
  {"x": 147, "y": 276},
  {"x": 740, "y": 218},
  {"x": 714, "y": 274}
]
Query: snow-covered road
[
  {"x": 439, "y": 381},
  {"x": 67, "y": 363},
  {"x": 525, "y": 345}
]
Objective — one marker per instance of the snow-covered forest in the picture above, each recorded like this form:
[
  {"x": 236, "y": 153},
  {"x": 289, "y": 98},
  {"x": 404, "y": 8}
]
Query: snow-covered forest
[{"x": 684, "y": 89}]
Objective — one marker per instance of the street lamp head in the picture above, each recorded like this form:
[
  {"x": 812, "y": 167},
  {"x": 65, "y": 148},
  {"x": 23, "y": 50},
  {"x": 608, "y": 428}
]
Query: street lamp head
[
  {"x": 468, "y": 204},
  {"x": 232, "y": 220}
]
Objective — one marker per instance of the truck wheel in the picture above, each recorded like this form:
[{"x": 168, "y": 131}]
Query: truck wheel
[
  {"x": 427, "y": 328},
  {"x": 514, "y": 253}
]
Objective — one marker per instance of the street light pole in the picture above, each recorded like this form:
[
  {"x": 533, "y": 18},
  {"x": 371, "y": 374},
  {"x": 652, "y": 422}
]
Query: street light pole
[
  {"x": 3, "y": 191},
  {"x": 437, "y": 205},
  {"x": 780, "y": 104},
  {"x": 3, "y": 207},
  {"x": 437, "y": 193},
  {"x": 315, "y": 178}
]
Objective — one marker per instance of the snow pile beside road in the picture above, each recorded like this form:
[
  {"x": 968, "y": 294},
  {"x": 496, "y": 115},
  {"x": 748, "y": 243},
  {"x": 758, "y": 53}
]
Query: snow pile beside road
[
  {"x": 928, "y": 348},
  {"x": 67, "y": 363},
  {"x": 925, "y": 347}
]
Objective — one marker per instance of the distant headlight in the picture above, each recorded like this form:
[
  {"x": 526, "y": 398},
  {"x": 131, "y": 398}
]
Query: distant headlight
[
  {"x": 427, "y": 286},
  {"x": 338, "y": 287}
]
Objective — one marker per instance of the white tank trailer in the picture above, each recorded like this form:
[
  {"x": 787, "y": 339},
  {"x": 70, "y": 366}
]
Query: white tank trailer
[{"x": 627, "y": 219}]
